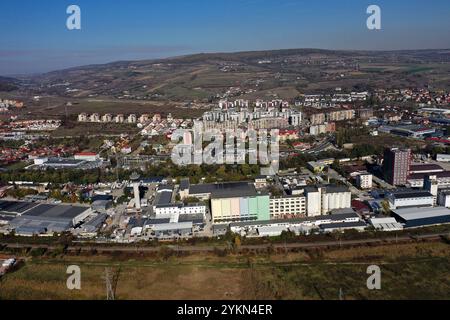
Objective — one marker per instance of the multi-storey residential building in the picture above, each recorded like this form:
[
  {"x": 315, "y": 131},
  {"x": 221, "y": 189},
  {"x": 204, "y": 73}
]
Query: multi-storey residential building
[
  {"x": 317, "y": 118},
  {"x": 144, "y": 118},
  {"x": 82, "y": 117},
  {"x": 132, "y": 118},
  {"x": 322, "y": 128},
  {"x": 107, "y": 117},
  {"x": 268, "y": 123},
  {"x": 295, "y": 119},
  {"x": 364, "y": 180},
  {"x": 396, "y": 165},
  {"x": 340, "y": 115},
  {"x": 120, "y": 118},
  {"x": 365, "y": 113},
  {"x": 95, "y": 117}
]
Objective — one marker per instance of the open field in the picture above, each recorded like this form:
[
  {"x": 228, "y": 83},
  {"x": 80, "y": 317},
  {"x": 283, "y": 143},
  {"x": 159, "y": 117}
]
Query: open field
[
  {"x": 409, "y": 271},
  {"x": 94, "y": 129},
  {"x": 55, "y": 107}
]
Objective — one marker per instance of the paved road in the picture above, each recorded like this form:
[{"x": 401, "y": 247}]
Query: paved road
[{"x": 206, "y": 248}]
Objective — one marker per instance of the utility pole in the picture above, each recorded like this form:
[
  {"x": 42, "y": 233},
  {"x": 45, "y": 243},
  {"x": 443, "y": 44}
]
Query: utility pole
[
  {"x": 341, "y": 294},
  {"x": 111, "y": 278},
  {"x": 117, "y": 168}
]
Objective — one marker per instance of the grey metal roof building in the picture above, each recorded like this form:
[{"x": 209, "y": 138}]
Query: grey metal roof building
[
  {"x": 196, "y": 219},
  {"x": 163, "y": 198},
  {"x": 333, "y": 217},
  {"x": 173, "y": 229},
  {"x": 102, "y": 205},
  {"x": 15, "y": 207},
  {"x": 155, "y": 221},
  {"x": 330, "y": 227},
  {"x": 52, "y": 218},
  {"x": 6, "y": 218},
  {"x": 30, "y": 230},
  {"x": 95, "y": 224},
  {"x": 224, "y": 190},
  {"x": 220, "y": 229},
  {"x": 184, "y": 184},
  {"x": 102, "y": 197},
  {"x": 406, "y": 194},
  {"x": 419, "y": 217}
]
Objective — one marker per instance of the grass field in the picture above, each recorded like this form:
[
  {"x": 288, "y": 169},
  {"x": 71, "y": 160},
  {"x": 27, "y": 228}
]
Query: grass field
[{"x": 408, "y": 271}]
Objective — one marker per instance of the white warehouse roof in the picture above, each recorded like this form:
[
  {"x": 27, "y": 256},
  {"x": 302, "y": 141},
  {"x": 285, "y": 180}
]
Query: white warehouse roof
[
  {"x": 422, "y": 213},
  {"x": 386, "y": 224},
  {"x": 173, "y": 226}
]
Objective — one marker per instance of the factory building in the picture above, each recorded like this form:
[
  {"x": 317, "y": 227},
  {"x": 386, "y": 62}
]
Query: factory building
[
  {"x": 323, "y": 199},
  {"x": 163, "y": 196},
  {"x": 364, "y": 180},
  {"x": 170, "y": 230},
  {"x": 343, "y": 226},
  {"x": 421, "y": 217},
  {"x": 180, "y": 209},
  {"x": 272, "y": 228},
  {"x": 416, "y": 180},
  {"x": 34, "y": 219},
  {"x": 287, "y": 207},
  {"x": 234, "y": 207},
  {"x": 234, "y": 201},
  {"x": 410, "y": 198},
  {"x": 385, "y": 224},
  {"x": 91, "y": 227},
  {"x": 443, "y": 157},
  {"x": 444, "y": 198}
]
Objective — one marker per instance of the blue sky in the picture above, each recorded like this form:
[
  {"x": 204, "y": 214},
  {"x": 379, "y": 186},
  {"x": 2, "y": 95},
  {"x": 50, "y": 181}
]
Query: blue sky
[{"x": 34, "y": 37}]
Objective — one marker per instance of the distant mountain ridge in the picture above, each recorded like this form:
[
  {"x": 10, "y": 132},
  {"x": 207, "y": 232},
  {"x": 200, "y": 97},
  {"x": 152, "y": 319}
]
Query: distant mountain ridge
[{"x": 282, "y": 73}]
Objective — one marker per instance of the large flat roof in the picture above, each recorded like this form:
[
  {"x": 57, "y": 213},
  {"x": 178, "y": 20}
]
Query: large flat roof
[
  {"x": 173, "y": 226},
  {"x": 411, "y": 194},
  {"x": 63, "y": 161},
  {"x": 333, "y": 217},
  {"x": 16, "y": 207},
  {"x": 421, "y": 176},
  {"x": 327, "y": 188},
  {"x": 341, "y": 225},
  {"x": 55, "y": 211},
  {"x": 425, "y": 167},
  {"x": 225, "y": 190},
  {"x": 36, "y": 210},
  {"x": 163, "y": 198},
  {"x": 421, "y": 213}
]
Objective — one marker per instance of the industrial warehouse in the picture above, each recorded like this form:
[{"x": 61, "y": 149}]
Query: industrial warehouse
[
  {"x": 35, "y": 219},
  {"x": 420, "y": 217}
]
